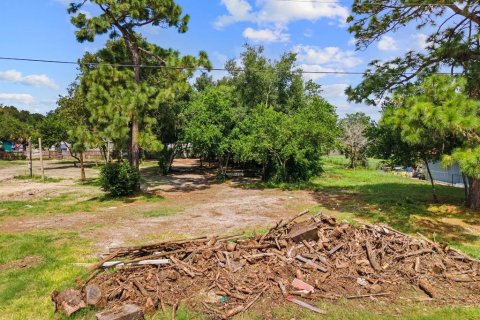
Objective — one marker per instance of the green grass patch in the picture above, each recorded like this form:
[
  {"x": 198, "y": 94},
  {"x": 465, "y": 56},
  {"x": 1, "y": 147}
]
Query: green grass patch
[
  {"x": 368, "y": 310},
  {"x": 37, "y": 178},
  {"x": 162, "y": 212},
  {"x": 68, "y": 203},
  {"x": 25, "y": 291}
]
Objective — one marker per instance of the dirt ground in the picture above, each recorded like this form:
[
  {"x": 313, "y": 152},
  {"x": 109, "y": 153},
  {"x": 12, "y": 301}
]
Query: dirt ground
[{"x": 197, "y": 204}]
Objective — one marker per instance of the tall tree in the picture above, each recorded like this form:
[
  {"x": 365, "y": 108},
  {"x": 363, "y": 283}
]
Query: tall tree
[
  {"x": 452, "y": 44},
  {"x": 434, "y": 118},
  {"x": 124, "y": 18},
  {"x": 162, "y": 116}
]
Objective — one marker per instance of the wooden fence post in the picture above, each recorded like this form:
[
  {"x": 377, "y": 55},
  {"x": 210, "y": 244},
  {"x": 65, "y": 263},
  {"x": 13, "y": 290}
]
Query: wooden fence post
[
  {"x": 31, "y": 164},
  {"x": 41, "y": 157}
]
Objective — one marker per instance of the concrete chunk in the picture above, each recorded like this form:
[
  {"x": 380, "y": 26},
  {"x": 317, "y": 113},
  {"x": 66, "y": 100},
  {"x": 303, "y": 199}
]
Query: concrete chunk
[{"x": 125, "y": 312}]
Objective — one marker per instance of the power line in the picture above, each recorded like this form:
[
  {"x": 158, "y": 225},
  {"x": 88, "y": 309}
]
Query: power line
[
  {"x": 195, "y": 68},
  {"x": 349, "y": 4}
]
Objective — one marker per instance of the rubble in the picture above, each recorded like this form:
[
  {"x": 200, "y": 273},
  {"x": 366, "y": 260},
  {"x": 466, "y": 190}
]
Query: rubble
[{"x": 225, "y": 276}]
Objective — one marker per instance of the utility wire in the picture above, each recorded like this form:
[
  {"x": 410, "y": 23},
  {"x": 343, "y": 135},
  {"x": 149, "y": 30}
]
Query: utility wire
[
  {"x": 195, "y": 68},
  {"x": 349, "y": 4}
]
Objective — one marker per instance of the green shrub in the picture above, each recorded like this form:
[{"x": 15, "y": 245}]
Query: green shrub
[{"x": 120, "y": 179}]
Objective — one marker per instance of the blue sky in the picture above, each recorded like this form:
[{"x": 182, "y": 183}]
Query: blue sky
[{"x": 41, "y": 29}]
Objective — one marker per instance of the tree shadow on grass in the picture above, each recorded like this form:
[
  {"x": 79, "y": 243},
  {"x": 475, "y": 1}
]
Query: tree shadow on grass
[{"x": 403, "y": 206}]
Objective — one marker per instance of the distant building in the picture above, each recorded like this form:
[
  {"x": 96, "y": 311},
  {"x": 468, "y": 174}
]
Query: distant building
[{"x": 6, "y": 145}]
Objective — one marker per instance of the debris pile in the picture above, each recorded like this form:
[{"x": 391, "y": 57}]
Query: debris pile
[{"x": 297, "y": 262}]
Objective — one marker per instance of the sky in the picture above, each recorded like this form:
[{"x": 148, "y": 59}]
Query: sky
[{"x": 316, "y": 31}]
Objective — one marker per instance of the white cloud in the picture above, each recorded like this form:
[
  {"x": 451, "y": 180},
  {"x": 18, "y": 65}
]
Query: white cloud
[
  {"x": 239, "y": 10},
  {"x": 387, "y": 43},
  {"x": 266, "y": 35},
  {"x": 352, "y": 42},
  {"x": 280, "y": 13},
  {"x": 334, "y": 90},
  {"x": 328, "y": 55},
  {"x": 17, "y": 97},
  {"x": 37, "y": 80},
  {"x": 421, "y": 40},
  {"x": 328, "y": 59}
]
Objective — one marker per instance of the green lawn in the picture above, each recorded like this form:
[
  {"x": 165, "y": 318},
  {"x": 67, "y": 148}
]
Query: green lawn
[
  {"x": 401, "y": 202},
  {"x": 68, "y": 203}
]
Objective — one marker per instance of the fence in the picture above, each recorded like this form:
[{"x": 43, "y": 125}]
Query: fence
[
  {"x": 12, "y": 155},
  {"x": 49, "y": 155}
]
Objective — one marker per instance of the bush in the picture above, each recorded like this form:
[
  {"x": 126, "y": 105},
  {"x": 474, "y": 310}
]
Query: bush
[{"x": 120, "y": 179}]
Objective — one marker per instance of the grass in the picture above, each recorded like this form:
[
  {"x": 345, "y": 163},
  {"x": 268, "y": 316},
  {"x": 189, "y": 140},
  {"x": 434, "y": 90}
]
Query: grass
[
  {"x": 68, "y": 203},
  {"x": 366, "y": 195},
  {"x": 162, "y": 212},
  {"x": 37, "y": 178},
  {"x": 25, "y": 291},
  {"x": 403, "y": 203},
  {"x": 368, "y": 310}
]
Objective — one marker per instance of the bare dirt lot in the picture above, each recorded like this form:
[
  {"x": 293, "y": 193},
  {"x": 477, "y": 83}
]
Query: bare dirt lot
[{"x": 193, "y": 204}]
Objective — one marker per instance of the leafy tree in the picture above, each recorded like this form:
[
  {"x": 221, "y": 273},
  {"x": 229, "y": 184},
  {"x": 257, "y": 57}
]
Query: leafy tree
[
  {"x": 432, "y": 117},
  {"x": 18, "y": 125},
  {"x": 53, "y": 130},
  {"x": 259, "y": 80},
  {"x": 75, "y": 127},
  {"x": 211, "y": 121},
  {"x": 452, "y": 43},
  {"x": 262, "y": 116},
  {"x": 288, "y": 147},
  {"x": 124, "y": 18},
  {"x": 170, "y": 86},
  {"x": 385, "y": 142},
  {"x": 354, "y": 139}
]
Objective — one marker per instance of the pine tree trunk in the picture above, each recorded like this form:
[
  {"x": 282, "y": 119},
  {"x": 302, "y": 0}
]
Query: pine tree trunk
[
  {"x": 82, "y": 168},
  {"x": 134, "y": 149},
  {"x": 434, "y": 194},
  {"x": 473, "y": 193}
]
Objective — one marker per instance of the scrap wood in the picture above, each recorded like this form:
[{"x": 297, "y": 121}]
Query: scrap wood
[
  {"x": 427, "y": 287},
  {"x": 235, "y": 271},
  {"x": 415, "y": 253},
  {"x": 305, "y": 305},
  {"x": 311, "y": 263},
  {"x": 372, "y": 258},
  {"x": 369, "y": 295}
]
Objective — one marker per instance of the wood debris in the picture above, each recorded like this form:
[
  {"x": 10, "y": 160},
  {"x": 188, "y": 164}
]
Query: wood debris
[{"x": 225, "y": 276}]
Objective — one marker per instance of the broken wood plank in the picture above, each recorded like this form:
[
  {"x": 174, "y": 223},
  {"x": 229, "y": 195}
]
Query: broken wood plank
[
  {"x": 305, "y": 305},
  {"x": 311, "y": 263},
  {"x": 369, "y": 295},
  {"x": 414, "y": 253},
  {"x": 181, "y": 266},
  {"x": 125, "y": 312},
  {"x": 427, "y": 288},
  {"x": 372, "y": 258},
  {"x": 335, "y": 249},
  {"x": 69, "y": 301}
]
